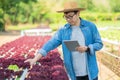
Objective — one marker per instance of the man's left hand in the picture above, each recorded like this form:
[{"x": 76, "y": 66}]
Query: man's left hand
[{"x": 82, "y": 49}]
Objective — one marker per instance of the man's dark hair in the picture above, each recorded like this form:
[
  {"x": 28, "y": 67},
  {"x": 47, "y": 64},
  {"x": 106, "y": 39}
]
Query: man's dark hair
[{"x": 71, "y": 11}]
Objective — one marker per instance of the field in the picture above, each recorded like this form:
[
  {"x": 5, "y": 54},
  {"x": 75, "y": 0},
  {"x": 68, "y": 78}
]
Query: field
[{"x": 14, "y": 53}]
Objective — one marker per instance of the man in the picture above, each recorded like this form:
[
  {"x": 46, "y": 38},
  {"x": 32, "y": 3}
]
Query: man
[{"x": 80, "y": 64}]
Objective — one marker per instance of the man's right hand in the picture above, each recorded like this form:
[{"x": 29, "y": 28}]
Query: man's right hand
[
  {"x": 34, "y": 60},
  {"x": 31, "y": 61}
]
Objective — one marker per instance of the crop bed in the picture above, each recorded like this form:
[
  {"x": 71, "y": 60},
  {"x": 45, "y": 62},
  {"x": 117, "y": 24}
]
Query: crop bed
[{"x": 14, "y": 53}]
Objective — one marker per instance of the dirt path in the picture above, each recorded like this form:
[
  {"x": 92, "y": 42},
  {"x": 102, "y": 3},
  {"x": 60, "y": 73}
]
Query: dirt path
[
  {"x": 5, "y": 39},
  {"x": 8, "y": 37}
]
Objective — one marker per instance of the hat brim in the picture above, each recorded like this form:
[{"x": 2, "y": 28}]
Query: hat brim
[{"x": 69, "y": 10}]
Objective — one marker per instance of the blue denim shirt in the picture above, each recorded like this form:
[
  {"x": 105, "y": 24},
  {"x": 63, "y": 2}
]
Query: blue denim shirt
[{"x": 92, "y": 40}]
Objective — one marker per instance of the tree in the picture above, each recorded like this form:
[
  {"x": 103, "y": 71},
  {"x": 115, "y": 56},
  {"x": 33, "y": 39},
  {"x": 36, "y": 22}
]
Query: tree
[
  {"x": 9, "y": 7},
  {"x": 115, "y": 5}
]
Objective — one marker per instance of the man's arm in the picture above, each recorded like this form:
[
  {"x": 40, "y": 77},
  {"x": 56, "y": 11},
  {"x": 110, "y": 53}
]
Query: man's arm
[
  {"x": 54, "y": 42},
  {"x": 97, "y": 42}
]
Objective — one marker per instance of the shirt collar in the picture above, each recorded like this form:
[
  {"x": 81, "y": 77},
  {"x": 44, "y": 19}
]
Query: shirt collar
[{"x": 82, "y": 22}]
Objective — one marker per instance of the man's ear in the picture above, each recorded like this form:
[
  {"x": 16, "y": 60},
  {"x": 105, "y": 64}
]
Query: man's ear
[{"x": 78, "y": 13}]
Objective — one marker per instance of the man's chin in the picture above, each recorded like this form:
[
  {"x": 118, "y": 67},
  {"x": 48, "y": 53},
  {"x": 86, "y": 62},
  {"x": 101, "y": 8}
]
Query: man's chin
[{"x": 72, "y": 23}]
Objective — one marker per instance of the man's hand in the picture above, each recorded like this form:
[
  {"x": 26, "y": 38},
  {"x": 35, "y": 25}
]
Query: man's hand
[
  {"x": 82, "y": 49},
  {"x": 31, "y": 61},
  {"x": 34, "y": 60}
]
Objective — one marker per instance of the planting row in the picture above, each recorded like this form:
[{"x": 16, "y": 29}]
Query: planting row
[{"x": 13, "y": 55}]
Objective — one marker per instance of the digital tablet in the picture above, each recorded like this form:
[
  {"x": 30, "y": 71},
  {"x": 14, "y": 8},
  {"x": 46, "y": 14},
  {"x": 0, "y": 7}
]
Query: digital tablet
[{"x": 71, "y": 44}]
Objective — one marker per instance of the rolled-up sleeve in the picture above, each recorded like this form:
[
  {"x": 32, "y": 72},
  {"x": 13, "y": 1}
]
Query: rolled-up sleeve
[{"x": 42, "y": 51}]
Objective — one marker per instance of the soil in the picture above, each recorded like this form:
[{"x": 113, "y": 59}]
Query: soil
[{"x": 8, "y": 37}]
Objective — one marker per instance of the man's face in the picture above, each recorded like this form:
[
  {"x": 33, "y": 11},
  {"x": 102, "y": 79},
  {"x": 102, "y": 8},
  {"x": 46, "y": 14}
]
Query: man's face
[{"x": 71, "y": 17}]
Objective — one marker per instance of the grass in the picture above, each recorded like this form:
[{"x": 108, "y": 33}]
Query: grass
[
  {"x": 111, "y": 34},
  {"x": 21, "y": 27},
  {"x": 55, "y": 26},
  {"x": 114, "y": 24}
]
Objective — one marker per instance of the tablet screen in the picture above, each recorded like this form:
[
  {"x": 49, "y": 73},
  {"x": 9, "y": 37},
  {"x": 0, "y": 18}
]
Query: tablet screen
[{"x": 71, "y": 44}]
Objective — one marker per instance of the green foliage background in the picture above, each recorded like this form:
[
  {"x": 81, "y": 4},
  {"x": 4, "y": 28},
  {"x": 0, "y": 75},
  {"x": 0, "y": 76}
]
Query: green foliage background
[{"x": 14, "y": 12}]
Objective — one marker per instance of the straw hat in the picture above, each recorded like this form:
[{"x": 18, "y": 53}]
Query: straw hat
[{"x": 71, "y": 6}]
